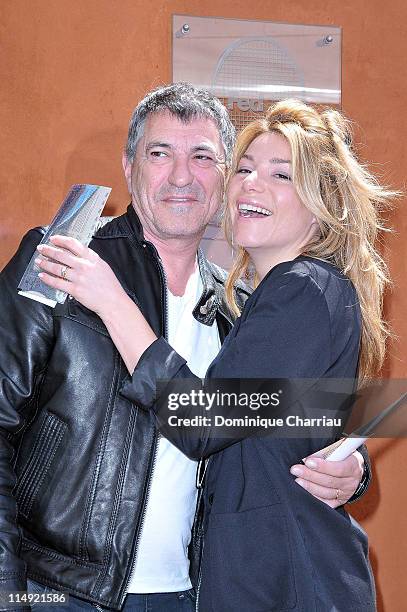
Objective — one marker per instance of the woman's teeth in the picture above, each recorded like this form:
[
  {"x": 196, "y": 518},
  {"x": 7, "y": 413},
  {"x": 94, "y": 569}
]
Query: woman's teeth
[{"x": 248, "y": 210}]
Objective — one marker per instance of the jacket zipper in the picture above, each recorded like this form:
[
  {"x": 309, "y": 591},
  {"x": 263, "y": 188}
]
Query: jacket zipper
[
  {"x": 156, "y": 435},
  {"x": 198, "y": 587},
  {"x": 143, "y": 515}
]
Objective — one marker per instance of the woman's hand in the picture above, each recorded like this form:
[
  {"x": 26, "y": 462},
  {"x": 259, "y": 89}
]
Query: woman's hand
[
  {"x": 333, "y": 482},
  {"x": 74, "y": 268}
]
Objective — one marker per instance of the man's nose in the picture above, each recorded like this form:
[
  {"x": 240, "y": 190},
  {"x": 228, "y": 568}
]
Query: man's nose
[{"x": 180, "y": 174}]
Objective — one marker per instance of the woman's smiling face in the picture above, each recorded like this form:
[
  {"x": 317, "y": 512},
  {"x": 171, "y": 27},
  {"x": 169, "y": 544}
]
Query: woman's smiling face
[{"x": 267, "y": 215}]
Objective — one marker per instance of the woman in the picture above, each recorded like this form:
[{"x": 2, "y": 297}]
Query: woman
[{"x": 302, "y": 211}]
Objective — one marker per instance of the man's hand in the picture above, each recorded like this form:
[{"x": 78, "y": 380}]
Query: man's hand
[{"x": 333, "y": 482}]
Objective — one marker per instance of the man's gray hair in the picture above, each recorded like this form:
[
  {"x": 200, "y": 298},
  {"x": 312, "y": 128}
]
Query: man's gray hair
[{"x": 185, "y": 102}]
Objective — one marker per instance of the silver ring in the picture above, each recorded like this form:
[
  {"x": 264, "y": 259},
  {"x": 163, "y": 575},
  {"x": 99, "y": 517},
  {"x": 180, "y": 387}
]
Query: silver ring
[{"x": 64, "y": 270}]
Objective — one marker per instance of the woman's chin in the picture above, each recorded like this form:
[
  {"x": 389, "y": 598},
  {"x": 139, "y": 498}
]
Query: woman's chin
[{"x": 248, "y": 242}]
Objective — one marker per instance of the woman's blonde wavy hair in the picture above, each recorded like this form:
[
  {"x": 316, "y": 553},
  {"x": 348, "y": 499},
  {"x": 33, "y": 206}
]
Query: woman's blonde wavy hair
[{"x": 345, "y": 199}]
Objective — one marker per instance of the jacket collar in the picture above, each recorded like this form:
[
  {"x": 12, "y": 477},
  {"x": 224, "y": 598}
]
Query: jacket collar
[
  {"x": 126, "y": 225},
  {"x": 134, "y": 223},
  {"x": 212, "y": 297}
]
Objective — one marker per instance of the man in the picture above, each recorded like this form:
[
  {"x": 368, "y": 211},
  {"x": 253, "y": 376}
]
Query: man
[{"x": 92, "y": 500}]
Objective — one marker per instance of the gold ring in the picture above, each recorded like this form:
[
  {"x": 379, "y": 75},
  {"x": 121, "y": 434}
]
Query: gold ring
[
  {"x": 338, "y": 491},
  {"x": 64, "y": 270}
]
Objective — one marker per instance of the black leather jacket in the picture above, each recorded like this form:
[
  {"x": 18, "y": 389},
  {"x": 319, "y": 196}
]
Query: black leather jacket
[{"x": 76, "y": 458}]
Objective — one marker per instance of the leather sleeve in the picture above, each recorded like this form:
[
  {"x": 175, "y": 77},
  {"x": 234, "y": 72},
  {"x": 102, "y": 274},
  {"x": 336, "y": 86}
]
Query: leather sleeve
[
  {"x": 26, "y": 338},
  {"x": 158, "y": 362}
]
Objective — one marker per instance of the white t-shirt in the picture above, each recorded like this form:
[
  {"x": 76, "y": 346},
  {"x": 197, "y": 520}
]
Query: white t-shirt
[{"x": 162, "y": 563}]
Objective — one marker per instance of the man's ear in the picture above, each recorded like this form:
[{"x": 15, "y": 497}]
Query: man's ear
[{"x": 127, "y": 167}]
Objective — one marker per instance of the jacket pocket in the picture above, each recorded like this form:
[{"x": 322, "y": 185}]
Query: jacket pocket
[
  {"x": 250, "y": 561},
  {"x": 39, "y": 462}
]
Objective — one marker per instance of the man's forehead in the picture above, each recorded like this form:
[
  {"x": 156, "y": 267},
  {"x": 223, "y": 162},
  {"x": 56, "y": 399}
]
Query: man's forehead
[{"x": 168, "y": 128}]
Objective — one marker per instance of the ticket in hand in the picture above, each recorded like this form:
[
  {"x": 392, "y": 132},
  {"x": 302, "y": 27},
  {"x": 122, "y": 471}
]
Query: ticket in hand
[{"x": 77, "y": 217}]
